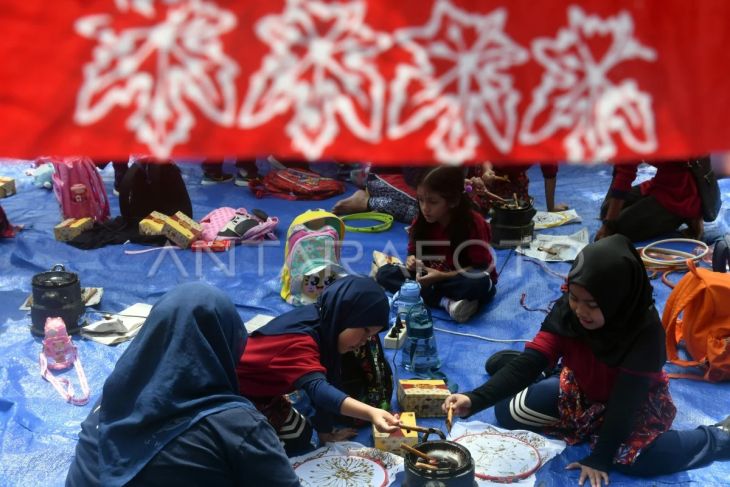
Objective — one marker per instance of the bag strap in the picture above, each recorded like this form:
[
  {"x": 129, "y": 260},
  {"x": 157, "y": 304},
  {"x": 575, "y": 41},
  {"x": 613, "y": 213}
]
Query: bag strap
[
  {"x": 684, "y": 292},
  {"x": 63, "y": 385},
  {"x": 125, "y": 188},
  {"x": 721, "y": 254},
  {"x": 96, "y": 189},
  {"x": 687, "y": 376},
  {"x": 60, "y": 179},
  {"x": 270, "y": 188}
]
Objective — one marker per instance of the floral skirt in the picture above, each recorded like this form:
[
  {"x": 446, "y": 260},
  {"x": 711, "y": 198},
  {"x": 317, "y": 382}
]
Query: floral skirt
[
  {"x": 383, "y": 197},
  {"x": 581, "y": 420}
]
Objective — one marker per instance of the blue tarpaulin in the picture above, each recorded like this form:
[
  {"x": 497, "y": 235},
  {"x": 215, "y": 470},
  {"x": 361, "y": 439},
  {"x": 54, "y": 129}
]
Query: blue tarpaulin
[{"x": 38, "y": 430}]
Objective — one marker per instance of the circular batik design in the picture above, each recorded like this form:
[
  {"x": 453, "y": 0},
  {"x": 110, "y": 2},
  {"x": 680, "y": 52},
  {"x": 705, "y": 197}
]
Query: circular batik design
[
  {"x": 341, "y": 471},
  {"x": 501, "y": 458}
]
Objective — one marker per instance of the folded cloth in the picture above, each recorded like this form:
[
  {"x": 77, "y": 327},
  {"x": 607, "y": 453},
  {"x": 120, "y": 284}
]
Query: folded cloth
[{"x": 114, "y": 232}]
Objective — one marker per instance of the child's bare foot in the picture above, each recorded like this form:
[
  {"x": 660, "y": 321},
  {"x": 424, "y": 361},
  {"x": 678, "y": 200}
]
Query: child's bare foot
[{"x": 357, "y": 203}]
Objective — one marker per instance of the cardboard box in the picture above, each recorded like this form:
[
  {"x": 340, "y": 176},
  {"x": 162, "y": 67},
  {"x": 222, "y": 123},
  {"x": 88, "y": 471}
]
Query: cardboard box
[
  {"x": 188, "y": 222},
  {"x": 152, "y": 224},
  {"x": 424, "y": 397},
  {"x": 71, "y": 228},
  {"x": 391, "y": 441},
  {"x": 7, "y": 187},
  {"x": 181, "y": 230}
]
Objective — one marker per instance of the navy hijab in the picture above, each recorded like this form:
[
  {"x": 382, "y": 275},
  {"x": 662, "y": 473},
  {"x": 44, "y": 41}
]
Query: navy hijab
[
  {"x": 613, "y": 273},
  {"x": 180, "y": 368},
  {"x": 349, "y": 302}
]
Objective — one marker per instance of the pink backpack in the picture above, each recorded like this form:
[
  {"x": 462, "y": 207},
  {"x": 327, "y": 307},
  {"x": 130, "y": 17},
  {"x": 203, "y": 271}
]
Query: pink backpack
[
  {"x": 258, "y": 229},
  {"x": 59, "y": 353},
  {"x": 79, "y": 188}
]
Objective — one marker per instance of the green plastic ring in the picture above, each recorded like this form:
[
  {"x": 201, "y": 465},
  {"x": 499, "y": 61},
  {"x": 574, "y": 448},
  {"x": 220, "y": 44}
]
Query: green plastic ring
[{"x": 386, "y": 221}]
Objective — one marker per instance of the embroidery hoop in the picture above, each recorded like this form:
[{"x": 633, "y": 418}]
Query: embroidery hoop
[
  {"x": 323, "y": 476},
  {"x": 493, "y": 466},
  {"x": 386, "y": 221},
  {"x": 672, "y": 262}
]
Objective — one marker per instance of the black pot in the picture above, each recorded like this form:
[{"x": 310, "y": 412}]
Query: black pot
[
  {"x": 513, "y": 217},
  {"x": 459, "y": 473},
  {"x": 56, "y": 293}
]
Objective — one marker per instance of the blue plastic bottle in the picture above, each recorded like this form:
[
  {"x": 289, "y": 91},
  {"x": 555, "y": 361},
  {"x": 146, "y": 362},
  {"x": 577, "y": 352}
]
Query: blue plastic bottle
[
  {"x": 419, "y": 353},
  {"x": 408, "y": 296}
]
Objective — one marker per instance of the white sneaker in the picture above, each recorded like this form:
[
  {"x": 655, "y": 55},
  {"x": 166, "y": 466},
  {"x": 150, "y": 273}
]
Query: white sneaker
[{"x": 460, "y": 311}]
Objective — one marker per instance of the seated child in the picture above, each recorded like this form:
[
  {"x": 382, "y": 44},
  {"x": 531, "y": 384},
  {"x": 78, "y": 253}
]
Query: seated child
[
  {"x": 448, "y": 248},
  {"x": 301, "y": 349},
  {"x": 170, "y": 412},
  {"x": 611, "y": 390}
]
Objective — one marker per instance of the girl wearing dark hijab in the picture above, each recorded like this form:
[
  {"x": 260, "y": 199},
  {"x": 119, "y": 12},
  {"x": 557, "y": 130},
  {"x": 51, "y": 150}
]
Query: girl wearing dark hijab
[
  {"x": 170, "y": 412},
  {"x": 301, "y": 349},
  {"x": 611, "y": 390}
]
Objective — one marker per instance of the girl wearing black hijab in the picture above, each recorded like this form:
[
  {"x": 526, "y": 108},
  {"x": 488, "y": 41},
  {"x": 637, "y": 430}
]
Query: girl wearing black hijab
[
  {"x": 611, "y": 390},
  {"x": 170, "y": 412},
  {"x": 301, "y": 350}
]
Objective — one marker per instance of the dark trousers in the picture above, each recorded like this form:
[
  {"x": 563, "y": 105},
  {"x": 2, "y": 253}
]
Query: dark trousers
[
  {"x": 477, "y": 287},
  {"x": 672, "y": 451},
  {"x": 642, "y": 217}
]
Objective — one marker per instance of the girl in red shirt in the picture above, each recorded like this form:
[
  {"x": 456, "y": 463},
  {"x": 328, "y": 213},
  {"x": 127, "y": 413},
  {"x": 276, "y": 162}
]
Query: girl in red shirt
[
  {"x": 448, "y": 248},
  {"x": 301, "y": 350},
  {"x": 611, "y": 390}
]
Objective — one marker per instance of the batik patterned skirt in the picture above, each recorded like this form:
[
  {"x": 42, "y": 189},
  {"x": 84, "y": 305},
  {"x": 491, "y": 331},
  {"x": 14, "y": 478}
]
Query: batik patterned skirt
[{"x": 581, "y": 420}]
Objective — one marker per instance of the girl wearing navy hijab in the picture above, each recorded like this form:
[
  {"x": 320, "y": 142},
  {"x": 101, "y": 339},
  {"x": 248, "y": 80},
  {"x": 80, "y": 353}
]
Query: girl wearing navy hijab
[
  {"x": 301, "y": 349},
  {"x": 611, "y": 390},
  {"x": 170, "y": 412}
]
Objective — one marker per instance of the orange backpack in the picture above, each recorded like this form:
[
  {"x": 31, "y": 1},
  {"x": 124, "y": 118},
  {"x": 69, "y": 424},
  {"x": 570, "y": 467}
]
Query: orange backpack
[{"x": 703, "y": 299}]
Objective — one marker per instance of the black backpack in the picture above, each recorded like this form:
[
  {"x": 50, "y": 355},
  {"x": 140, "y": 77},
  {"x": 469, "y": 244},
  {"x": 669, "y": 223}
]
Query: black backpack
[
  {"x": 707, "y": 187},
  {"x": 721, "y": 254},
  {"x": 148, "y": 187}
]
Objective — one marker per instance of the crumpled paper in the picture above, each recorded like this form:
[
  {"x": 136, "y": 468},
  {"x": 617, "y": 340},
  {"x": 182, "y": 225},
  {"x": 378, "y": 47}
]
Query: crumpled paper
[
  {"x": 556, "y": 248},
  {"x": 552, "y": 219}
]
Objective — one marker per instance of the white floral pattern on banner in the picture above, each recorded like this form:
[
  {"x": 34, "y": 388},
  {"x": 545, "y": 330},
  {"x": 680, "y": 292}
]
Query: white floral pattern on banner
[
  {"x": 322, "y": 64},
  {"x": 577, "y": 94},
  {"x": 474, "y": 92},
  {"x": 159, "y": 69}
]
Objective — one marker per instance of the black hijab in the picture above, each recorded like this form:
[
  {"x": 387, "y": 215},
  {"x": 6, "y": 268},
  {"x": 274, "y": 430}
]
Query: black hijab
[
  {"x": 613, "y": 273},
  {"x": 349, "y": 302}
]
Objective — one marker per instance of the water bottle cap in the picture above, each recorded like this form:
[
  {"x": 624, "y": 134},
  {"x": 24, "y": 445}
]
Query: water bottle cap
[{"x": 410, "y": 290}]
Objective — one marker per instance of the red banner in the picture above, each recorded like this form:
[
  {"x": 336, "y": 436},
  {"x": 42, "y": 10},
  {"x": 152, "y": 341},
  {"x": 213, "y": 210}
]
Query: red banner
[{"x": 382, "y": 81}]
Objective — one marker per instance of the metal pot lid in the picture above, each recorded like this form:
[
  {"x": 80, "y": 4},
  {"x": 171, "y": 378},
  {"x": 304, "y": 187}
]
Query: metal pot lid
[{"x": 56, "y": 277}]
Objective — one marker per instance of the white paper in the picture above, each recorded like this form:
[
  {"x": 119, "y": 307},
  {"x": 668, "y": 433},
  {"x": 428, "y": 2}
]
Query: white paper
[
  {"x": 556, "y": 248},
  {"x": 119, "y": 327},
  {"x": 551, "y": 219}
]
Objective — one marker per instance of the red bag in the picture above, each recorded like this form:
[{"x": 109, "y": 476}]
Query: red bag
[
  {"x": 6, "y": 229},
  {"x": 296, "y": 184}
]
